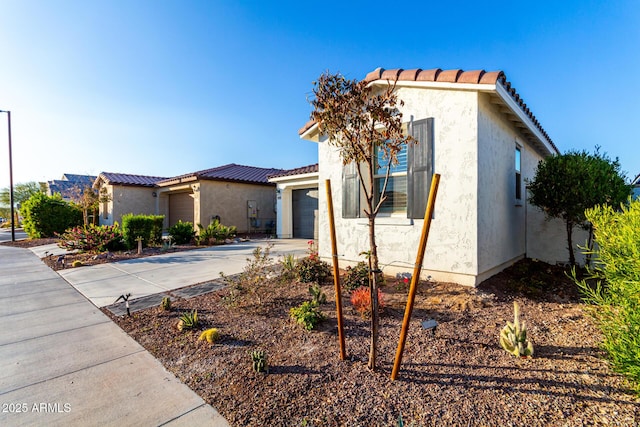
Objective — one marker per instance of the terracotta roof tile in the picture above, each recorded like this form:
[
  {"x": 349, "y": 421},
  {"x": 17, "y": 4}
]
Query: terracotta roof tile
[
  {"x": 297, "y": 171},
  {"x": 450, "y": 76},
  {"x": 471, "y": 76},
  {"x": 428, "y": 75}
]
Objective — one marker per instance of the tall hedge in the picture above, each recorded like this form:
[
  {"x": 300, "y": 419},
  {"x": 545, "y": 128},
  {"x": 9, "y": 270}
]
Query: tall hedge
[
  {"x": 43, "y": 216},
  {"x": 149, "y": 227}
]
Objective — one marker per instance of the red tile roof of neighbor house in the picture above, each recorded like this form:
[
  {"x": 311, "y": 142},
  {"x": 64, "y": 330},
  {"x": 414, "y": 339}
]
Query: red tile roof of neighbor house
[
  {"x": 449, "y": 76},
  {"x": 231, "y": 172},
  {"x": 297, "y": 171},
  {"x": 129, "y": 179}
]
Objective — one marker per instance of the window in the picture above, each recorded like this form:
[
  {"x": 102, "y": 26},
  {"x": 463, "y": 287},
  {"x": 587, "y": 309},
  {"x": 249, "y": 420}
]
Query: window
[
  {"x": 518, "y": 166},
  {"x": 396, "y": 191},
  {"x": 409, "y": 181}
]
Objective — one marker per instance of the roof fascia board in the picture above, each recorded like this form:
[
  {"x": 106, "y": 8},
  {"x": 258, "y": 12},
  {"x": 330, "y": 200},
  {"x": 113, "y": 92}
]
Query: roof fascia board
[
  {"x": 299, "y": 177},
  {"x": 515, "y": 108},
  {"x": 437, "y": 85}
]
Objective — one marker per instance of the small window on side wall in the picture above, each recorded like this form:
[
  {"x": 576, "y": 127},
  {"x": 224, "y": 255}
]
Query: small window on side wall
[{"x": 518, "y": 177}]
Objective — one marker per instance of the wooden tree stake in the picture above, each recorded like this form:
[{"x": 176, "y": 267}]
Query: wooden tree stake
[
  {"x": 336, "y": 271},
  {"x": 416, "y": 274}
]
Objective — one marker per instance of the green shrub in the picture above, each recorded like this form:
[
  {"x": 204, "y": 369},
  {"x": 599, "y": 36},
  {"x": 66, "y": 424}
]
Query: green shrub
[
  {"x": 615, "y": 298},
  {"x": 356, "y": 277},
  {"x": 92, "y": 238},
  {"x": 181, "y": 232},
  {"x": 44, "y": 216},
  {"x": 149, "y": 227},
  {"x": 307, "y": 314},
  {"x": 312, "y": 269}
]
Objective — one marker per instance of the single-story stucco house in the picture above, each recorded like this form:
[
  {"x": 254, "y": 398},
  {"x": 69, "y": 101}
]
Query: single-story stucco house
[
  {"x": 479, "y": 135},
  {"x": 237, "y": 195}
]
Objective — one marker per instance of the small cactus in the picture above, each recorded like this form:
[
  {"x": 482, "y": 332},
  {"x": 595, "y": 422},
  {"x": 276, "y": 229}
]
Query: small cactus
[
  {"x": 188, "y": 320},
  {"x": 259, "y": 361},
  {"x": 166, "y": 304},
  {"x": 210, "y": 335},
  {"x": 77, "y": 263},
  {"x": 513, "y": 337}
]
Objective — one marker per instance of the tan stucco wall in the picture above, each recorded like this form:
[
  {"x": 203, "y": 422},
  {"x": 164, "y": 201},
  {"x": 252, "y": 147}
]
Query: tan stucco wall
[
  {"x": 229, "y": 201},
  {"x": 127, "y": 199}
]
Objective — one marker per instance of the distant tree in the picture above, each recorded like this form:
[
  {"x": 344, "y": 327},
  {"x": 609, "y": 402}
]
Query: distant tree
[
  {"x": 21, "y": 193},
  {"x": 566, "y": 185},
  {"x": 364, "y": 124}
]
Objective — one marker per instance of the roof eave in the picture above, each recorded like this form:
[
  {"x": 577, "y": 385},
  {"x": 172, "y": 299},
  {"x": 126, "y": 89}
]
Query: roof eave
[{"x": 508, "y": 100}]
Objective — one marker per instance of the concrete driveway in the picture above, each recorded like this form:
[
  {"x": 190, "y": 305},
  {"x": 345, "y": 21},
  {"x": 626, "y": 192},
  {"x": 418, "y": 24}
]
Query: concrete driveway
[{"x": 102, "y": 284}]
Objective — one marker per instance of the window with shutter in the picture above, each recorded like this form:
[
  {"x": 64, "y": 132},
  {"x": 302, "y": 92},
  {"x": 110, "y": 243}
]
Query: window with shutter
[{"x": 420, "y": 167}]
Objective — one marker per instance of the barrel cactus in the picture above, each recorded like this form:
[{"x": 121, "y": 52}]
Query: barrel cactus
[
  {"x": 259, "y": 361},
  {"x": 513, "y": 337}
]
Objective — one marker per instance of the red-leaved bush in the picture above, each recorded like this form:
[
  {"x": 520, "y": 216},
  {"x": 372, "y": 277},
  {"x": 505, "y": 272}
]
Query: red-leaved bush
[{"x": 361, "y": 300}]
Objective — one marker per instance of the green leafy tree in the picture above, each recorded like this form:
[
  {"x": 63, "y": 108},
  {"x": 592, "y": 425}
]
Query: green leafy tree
[
  {"x": 566, "y": 185},
  {"x": 21, "y": 193},
  {"x": 362, "y": 121}
]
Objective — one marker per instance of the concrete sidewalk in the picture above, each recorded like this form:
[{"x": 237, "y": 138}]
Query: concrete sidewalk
[
  {"x": 102, "y": 284},
  {"x": 64, "y": 363}
]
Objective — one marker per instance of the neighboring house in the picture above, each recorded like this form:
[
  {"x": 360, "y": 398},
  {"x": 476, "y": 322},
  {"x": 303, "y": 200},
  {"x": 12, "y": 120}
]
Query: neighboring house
[
  {"x": 70, "y": 186},
  {"x": 474, "y": 130},
  {"x": 125, "y": 193},
  {"x": 235, "y": 194},
  {"x": 635, "y": 188},
  {"x": 297, "y": 202}
]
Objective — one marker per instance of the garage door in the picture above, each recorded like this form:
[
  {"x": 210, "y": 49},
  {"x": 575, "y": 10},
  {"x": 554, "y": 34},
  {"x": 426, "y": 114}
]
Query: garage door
[
  {"x": 305, "y": 213},
  {"x": 180, "y": 208}
]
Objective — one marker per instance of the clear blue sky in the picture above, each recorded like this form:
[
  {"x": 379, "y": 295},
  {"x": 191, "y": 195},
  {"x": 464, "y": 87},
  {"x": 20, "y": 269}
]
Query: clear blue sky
[{"x": 170, "y": 87}]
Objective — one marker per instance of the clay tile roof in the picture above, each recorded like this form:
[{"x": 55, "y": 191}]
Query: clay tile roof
[
  {"x": 231, "y": 172},
  {"x": 471, "y": 76},
  {"x": 449, "y": 76},
  {"x": 428, "y": 75},
  {"x": 129, "y": 179},
  {"x": 391, "y": 74},
  {"x": 297, "y": 171},
  {"x": 374, "y": 75},
  {"x": 306, "y": 127},
  {"x": 491, "y": 77},
  {"x": 410, "y": 75}
]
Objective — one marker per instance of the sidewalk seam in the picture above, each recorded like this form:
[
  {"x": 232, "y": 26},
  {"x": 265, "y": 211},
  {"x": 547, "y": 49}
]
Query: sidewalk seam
[
  {"x": 142, "y": 350},
  {"x": 203, "y": 405}
]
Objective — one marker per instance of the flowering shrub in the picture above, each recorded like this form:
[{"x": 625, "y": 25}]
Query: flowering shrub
[
  {"x": 361, "y": 300},
  {"x": 311, "y": 268},
  {"x": 92, "y": 238}
]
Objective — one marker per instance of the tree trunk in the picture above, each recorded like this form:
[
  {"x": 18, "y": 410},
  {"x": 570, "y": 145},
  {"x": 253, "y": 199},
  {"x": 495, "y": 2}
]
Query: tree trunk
[
  {"x": 572, "y": 258},
  {"x": 373, "y": 289}
]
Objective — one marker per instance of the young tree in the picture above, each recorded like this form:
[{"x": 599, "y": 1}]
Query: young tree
[
  {"x": 566, "y": 185},
  {"x": 362, "y": 121}
]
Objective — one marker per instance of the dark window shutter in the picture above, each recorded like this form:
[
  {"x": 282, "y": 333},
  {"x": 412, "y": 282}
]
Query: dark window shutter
[
  {"x": 420, "y": 168},
  {"x": 350, "y": 191}
]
